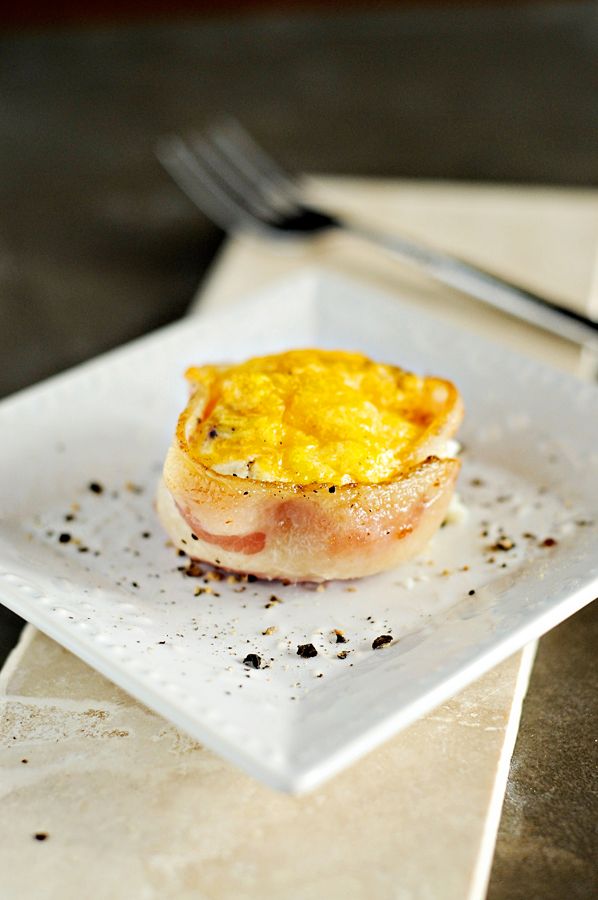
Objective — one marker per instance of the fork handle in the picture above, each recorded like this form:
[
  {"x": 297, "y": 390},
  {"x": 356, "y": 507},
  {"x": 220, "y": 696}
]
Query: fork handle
[{"x": 483, "y": 286}]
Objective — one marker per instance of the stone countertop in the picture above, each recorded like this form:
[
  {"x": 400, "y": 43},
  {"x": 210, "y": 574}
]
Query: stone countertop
[
  {"x": 104, "y": 799},
  {"x": 96, "y": 247},
  {"x": 547, "y": 844}
]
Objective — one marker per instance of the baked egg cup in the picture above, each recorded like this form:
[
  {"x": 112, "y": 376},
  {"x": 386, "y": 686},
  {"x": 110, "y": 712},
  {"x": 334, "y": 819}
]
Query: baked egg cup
[{"x": 249, "y": 521}]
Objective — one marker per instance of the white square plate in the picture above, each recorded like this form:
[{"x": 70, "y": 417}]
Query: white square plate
[{"x": 117, "y": 595}]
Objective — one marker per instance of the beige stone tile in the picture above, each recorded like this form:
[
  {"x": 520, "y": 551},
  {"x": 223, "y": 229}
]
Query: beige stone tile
[
  {"x": 134, "y": 808},
  {"x": 51, "y": 671}
]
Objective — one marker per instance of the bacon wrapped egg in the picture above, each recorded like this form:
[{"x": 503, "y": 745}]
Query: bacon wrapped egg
[{"x": 310, "y": 465}]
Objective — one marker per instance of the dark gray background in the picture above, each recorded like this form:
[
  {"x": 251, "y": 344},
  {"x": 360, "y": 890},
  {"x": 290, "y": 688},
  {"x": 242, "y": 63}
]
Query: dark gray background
[{"x": 97, "y": 246}]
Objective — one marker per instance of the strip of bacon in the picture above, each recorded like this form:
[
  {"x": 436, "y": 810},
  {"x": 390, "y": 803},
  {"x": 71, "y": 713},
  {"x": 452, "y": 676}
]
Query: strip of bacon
[{"x": 235, "y": 543}]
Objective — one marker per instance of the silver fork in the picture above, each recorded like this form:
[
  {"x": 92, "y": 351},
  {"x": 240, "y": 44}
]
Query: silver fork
[{"x": 240, "y": 187}]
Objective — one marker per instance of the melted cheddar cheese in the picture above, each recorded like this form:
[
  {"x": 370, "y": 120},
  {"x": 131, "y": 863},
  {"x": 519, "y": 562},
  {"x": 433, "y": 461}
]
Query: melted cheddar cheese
[{"x": 307, "y": 416}]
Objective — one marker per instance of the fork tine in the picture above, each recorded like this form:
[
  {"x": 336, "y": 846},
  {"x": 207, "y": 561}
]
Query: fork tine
[
  {"x": 242, "y": 150},
  {"x": 231, "y": 178},
  {"x": 195, "y": 181}
]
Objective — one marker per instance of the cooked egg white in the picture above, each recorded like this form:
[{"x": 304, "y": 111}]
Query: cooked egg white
[{"x": 309, "y": 416}]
